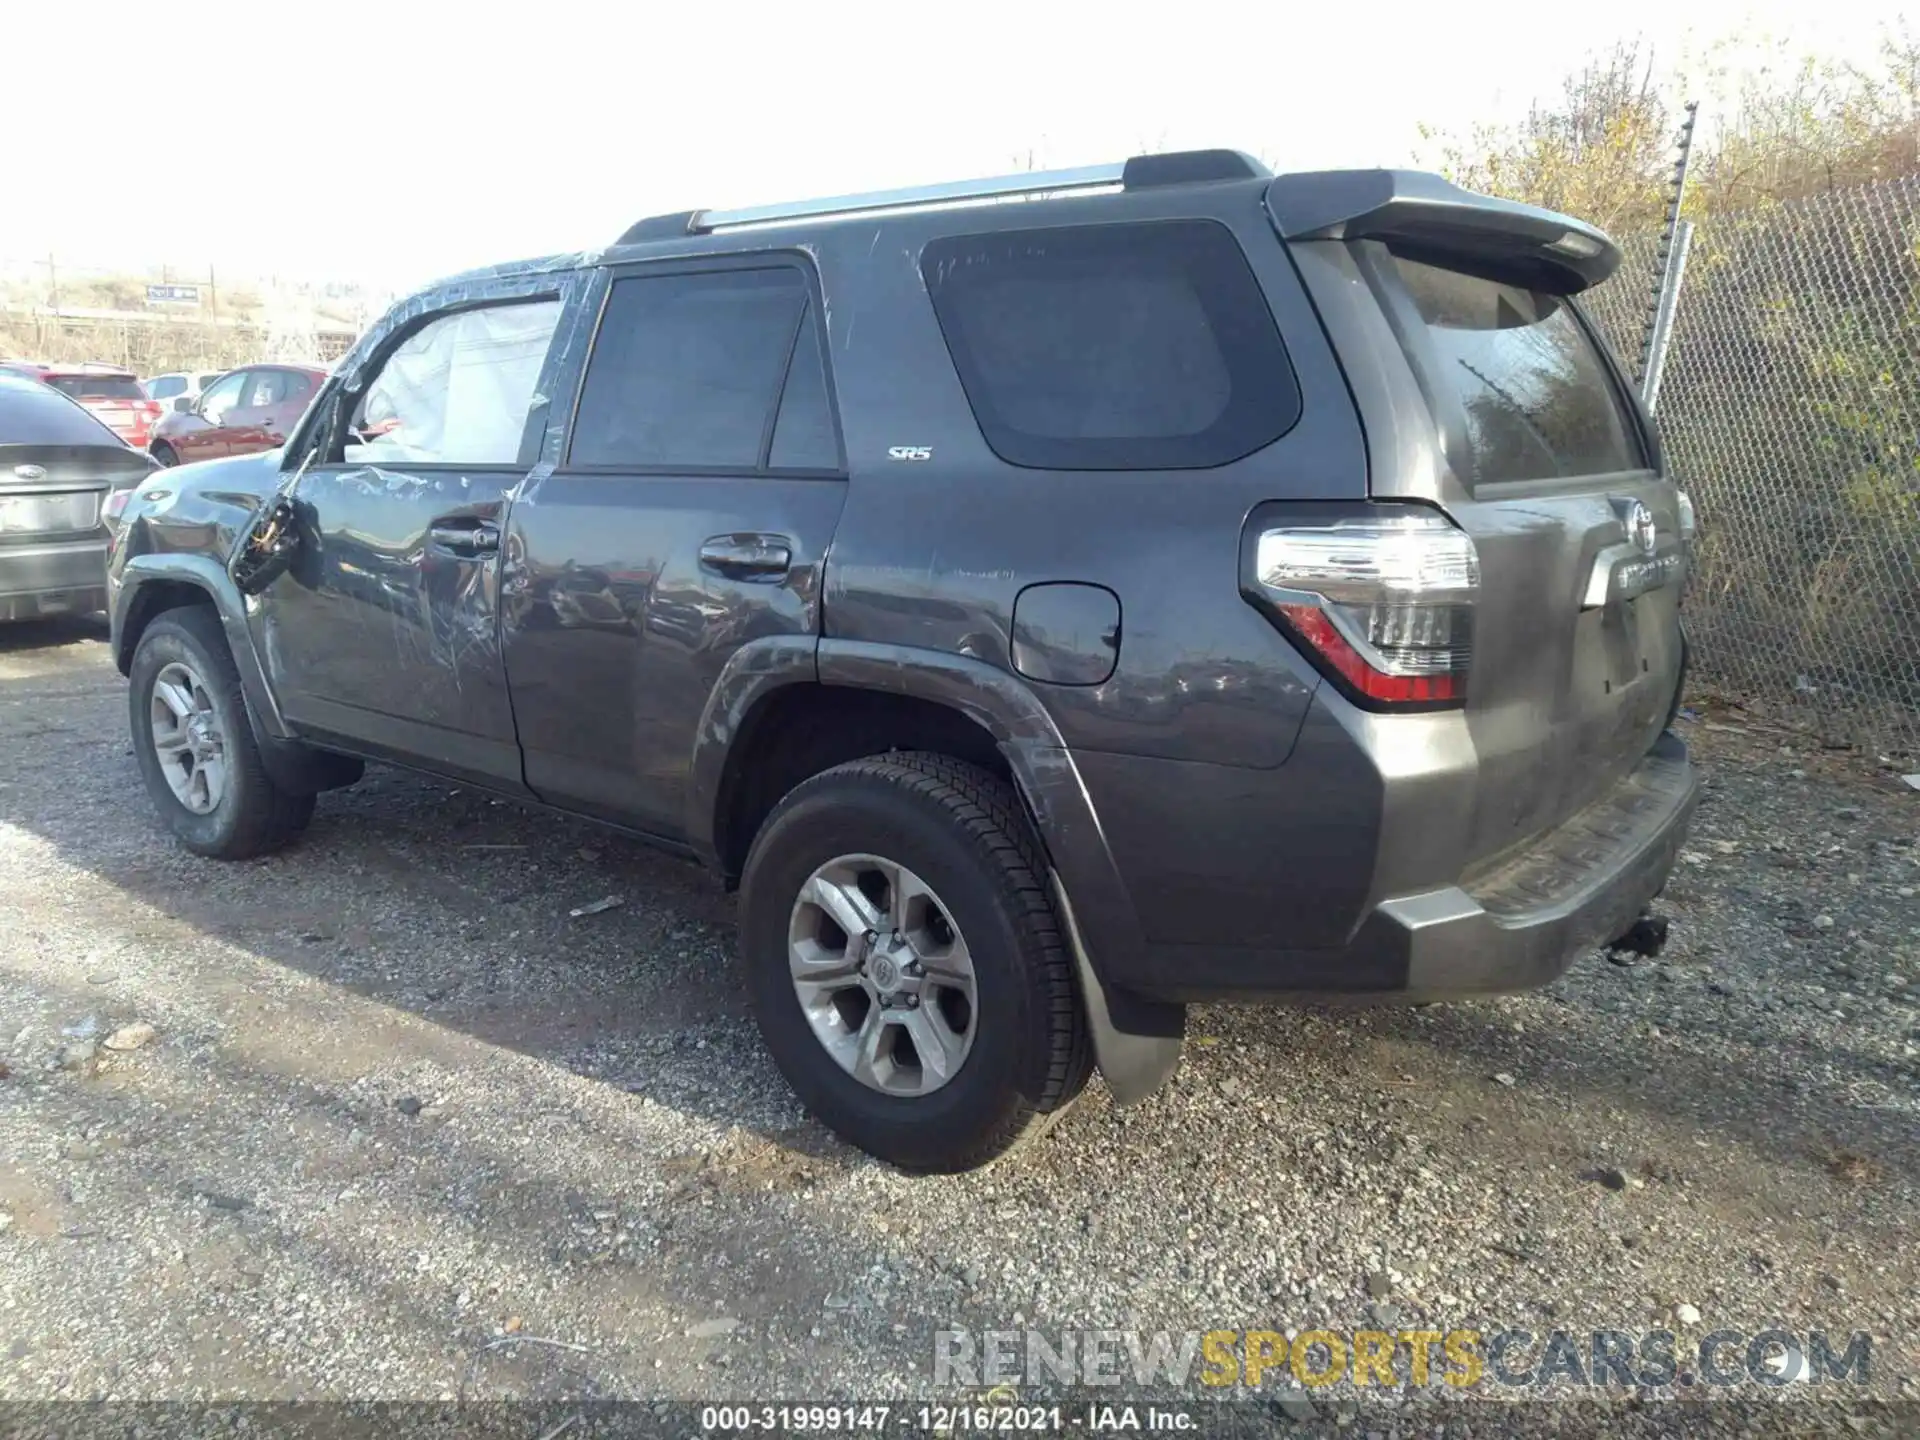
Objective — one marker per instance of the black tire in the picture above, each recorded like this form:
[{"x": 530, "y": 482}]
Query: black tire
[
  {"x": 963, "y": 831},
  {"x": 165, "y": 453},
  {"x": 254, "y": 816}
]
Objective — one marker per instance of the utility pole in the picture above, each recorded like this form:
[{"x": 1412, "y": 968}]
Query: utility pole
[{"x": 53, "y": 284}]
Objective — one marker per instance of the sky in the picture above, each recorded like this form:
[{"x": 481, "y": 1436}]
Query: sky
[{"x": 390, "y": 143}]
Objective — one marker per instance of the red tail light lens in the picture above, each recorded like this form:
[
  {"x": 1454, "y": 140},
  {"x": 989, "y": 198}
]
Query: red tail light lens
[{"x": 1383, "y": 603}]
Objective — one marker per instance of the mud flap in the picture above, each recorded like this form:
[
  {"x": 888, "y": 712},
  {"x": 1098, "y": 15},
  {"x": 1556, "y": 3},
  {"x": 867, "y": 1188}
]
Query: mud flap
[
  {"x": 296, "y": 767},
  {"x": 1136, "y": 1043}
]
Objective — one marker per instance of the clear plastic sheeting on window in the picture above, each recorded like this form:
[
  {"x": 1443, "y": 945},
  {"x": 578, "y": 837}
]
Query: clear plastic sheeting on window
[
  {"x": 548, "y": 278},
  {"x": 457, "y": 392}
]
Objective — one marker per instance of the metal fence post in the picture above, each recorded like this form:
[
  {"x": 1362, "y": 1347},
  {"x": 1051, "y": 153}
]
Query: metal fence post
[
  {"x": 1669, "y": 235},
  {"x": 1663, "y": 314}
]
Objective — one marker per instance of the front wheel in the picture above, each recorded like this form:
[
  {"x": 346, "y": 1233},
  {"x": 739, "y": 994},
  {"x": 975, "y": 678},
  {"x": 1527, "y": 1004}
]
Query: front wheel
[
  {"x": 905, "y": 963},
  {"x": 195, "y": 744},
  {"x": 165, "y": 453}
]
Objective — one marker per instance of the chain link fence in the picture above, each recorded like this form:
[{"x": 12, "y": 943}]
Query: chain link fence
[{"x": 1790, "y": 410}]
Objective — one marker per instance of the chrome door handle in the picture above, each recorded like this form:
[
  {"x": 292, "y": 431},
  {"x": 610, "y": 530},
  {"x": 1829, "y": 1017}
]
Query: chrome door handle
[
  {"x": 476, "y": 539},
  {"x": 748, "y": 557}
]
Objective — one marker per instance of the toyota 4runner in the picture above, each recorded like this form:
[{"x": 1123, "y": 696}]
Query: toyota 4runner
[{"x": 1188, "y": 585}]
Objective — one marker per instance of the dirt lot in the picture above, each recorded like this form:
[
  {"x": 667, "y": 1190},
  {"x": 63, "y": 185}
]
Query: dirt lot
[{"x": 406, "y": 1129}]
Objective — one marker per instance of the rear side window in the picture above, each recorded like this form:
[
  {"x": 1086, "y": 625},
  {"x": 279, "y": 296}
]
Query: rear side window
[
  {"x": 274, "y": 387},
  {"x": 803, "y": 435},
  {"x": 98, "y": 387},
  {"x": 32, "y": 414},
  {"x": 1113, "y": 347},
  {"x": 716, "y": 370},
  {"x": 1536, "y": 401}
]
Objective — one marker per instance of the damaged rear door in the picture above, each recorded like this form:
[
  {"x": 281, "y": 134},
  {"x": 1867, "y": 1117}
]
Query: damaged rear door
[
  {"x": 383, "y": 634},
  {"x": 687, "y": 514}
]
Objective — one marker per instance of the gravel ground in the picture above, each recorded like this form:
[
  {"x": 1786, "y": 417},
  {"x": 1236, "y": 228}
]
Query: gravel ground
[{"x": 402, "y": 1121}]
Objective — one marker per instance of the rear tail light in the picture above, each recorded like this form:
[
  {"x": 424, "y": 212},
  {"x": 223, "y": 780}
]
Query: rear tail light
[
  {"x": 116, "y": 505},
  {"x": 1382, "y": 602}
]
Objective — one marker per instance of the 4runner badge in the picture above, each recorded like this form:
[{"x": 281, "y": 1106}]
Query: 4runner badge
[{"x": 909, "y": 452}]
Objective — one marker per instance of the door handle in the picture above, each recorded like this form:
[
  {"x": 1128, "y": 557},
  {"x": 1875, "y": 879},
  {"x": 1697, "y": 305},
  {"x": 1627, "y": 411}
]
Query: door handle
[
  {"x": 748, "y": 557},
  {"x": 476, "y": 538}
]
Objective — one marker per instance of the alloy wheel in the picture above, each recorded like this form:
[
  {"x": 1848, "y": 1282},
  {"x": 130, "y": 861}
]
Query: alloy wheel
[
  {"x": 882, "y": 974},
  {"x": 188, "y": 738}
]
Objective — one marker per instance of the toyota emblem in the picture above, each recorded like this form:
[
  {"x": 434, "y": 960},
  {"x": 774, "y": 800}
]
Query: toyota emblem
[{"x": 1640, "y": 527}]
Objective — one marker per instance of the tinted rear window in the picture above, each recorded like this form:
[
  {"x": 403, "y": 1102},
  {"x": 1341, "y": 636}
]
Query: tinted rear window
[
  {"x": 31, "y": 414},
  {"x": 165, "y": 387},
  {"x": 98, "y": 387},
  {"x": 1113, "y": 347},
  {"x": 1536, "y": 401},
  {"x": 689, "y": 372}
]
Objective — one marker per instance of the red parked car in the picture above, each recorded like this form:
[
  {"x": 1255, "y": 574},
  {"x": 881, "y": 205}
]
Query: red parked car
[
  {"x": 241, "y": 412},
  {"x": 113, "y": 396}
]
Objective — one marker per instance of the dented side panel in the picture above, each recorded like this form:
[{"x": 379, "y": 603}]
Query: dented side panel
[
  {"x": 384, "y": 634},
  {"x": 622, "y": 632}
]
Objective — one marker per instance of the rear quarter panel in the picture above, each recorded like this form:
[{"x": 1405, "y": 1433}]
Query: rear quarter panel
[{"x": 934, "y": 553}]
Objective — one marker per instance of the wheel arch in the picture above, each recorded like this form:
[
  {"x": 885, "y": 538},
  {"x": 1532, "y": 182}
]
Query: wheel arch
[
  {"x": 152, "y": 584},
  {"x": 906, "y": 697}
]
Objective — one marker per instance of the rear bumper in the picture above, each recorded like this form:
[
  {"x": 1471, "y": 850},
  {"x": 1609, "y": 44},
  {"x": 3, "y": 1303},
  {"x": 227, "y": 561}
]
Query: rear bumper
[
  {"x": 69, "y": 578},
  {"x": 1517, "y": 924}
]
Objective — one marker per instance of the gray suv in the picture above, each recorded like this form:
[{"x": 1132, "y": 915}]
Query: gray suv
[{"x": 1189, "y": 584}]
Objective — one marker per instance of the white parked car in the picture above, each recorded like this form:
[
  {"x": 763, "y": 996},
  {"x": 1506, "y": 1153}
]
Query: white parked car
[{"x": 178, "y": 383}]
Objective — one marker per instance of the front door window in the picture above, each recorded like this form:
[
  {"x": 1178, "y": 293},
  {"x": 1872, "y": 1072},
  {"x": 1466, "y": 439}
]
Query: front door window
[{"x": 456, "y": 392}]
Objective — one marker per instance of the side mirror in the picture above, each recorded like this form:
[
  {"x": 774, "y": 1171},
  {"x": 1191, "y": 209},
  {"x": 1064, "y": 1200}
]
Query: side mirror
[{"x": 183, "y": 405}]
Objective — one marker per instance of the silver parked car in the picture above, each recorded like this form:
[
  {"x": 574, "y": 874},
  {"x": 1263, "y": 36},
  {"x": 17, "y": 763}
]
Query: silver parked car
[{"x": 61, "y": 472}]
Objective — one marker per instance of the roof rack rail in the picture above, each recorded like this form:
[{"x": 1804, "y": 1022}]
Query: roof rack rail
[{"x": 1143, "y": 171}]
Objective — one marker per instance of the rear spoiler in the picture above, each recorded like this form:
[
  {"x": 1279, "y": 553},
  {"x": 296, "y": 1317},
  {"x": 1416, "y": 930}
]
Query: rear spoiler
[{"x": 1429, "y": 215}]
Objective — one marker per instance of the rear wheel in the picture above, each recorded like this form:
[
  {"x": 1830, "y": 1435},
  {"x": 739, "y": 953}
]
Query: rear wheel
[
  {"x": 905, "y": 963},
  {"x": 165, "y": 453},
  {"x": 195, "y": 744}
]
